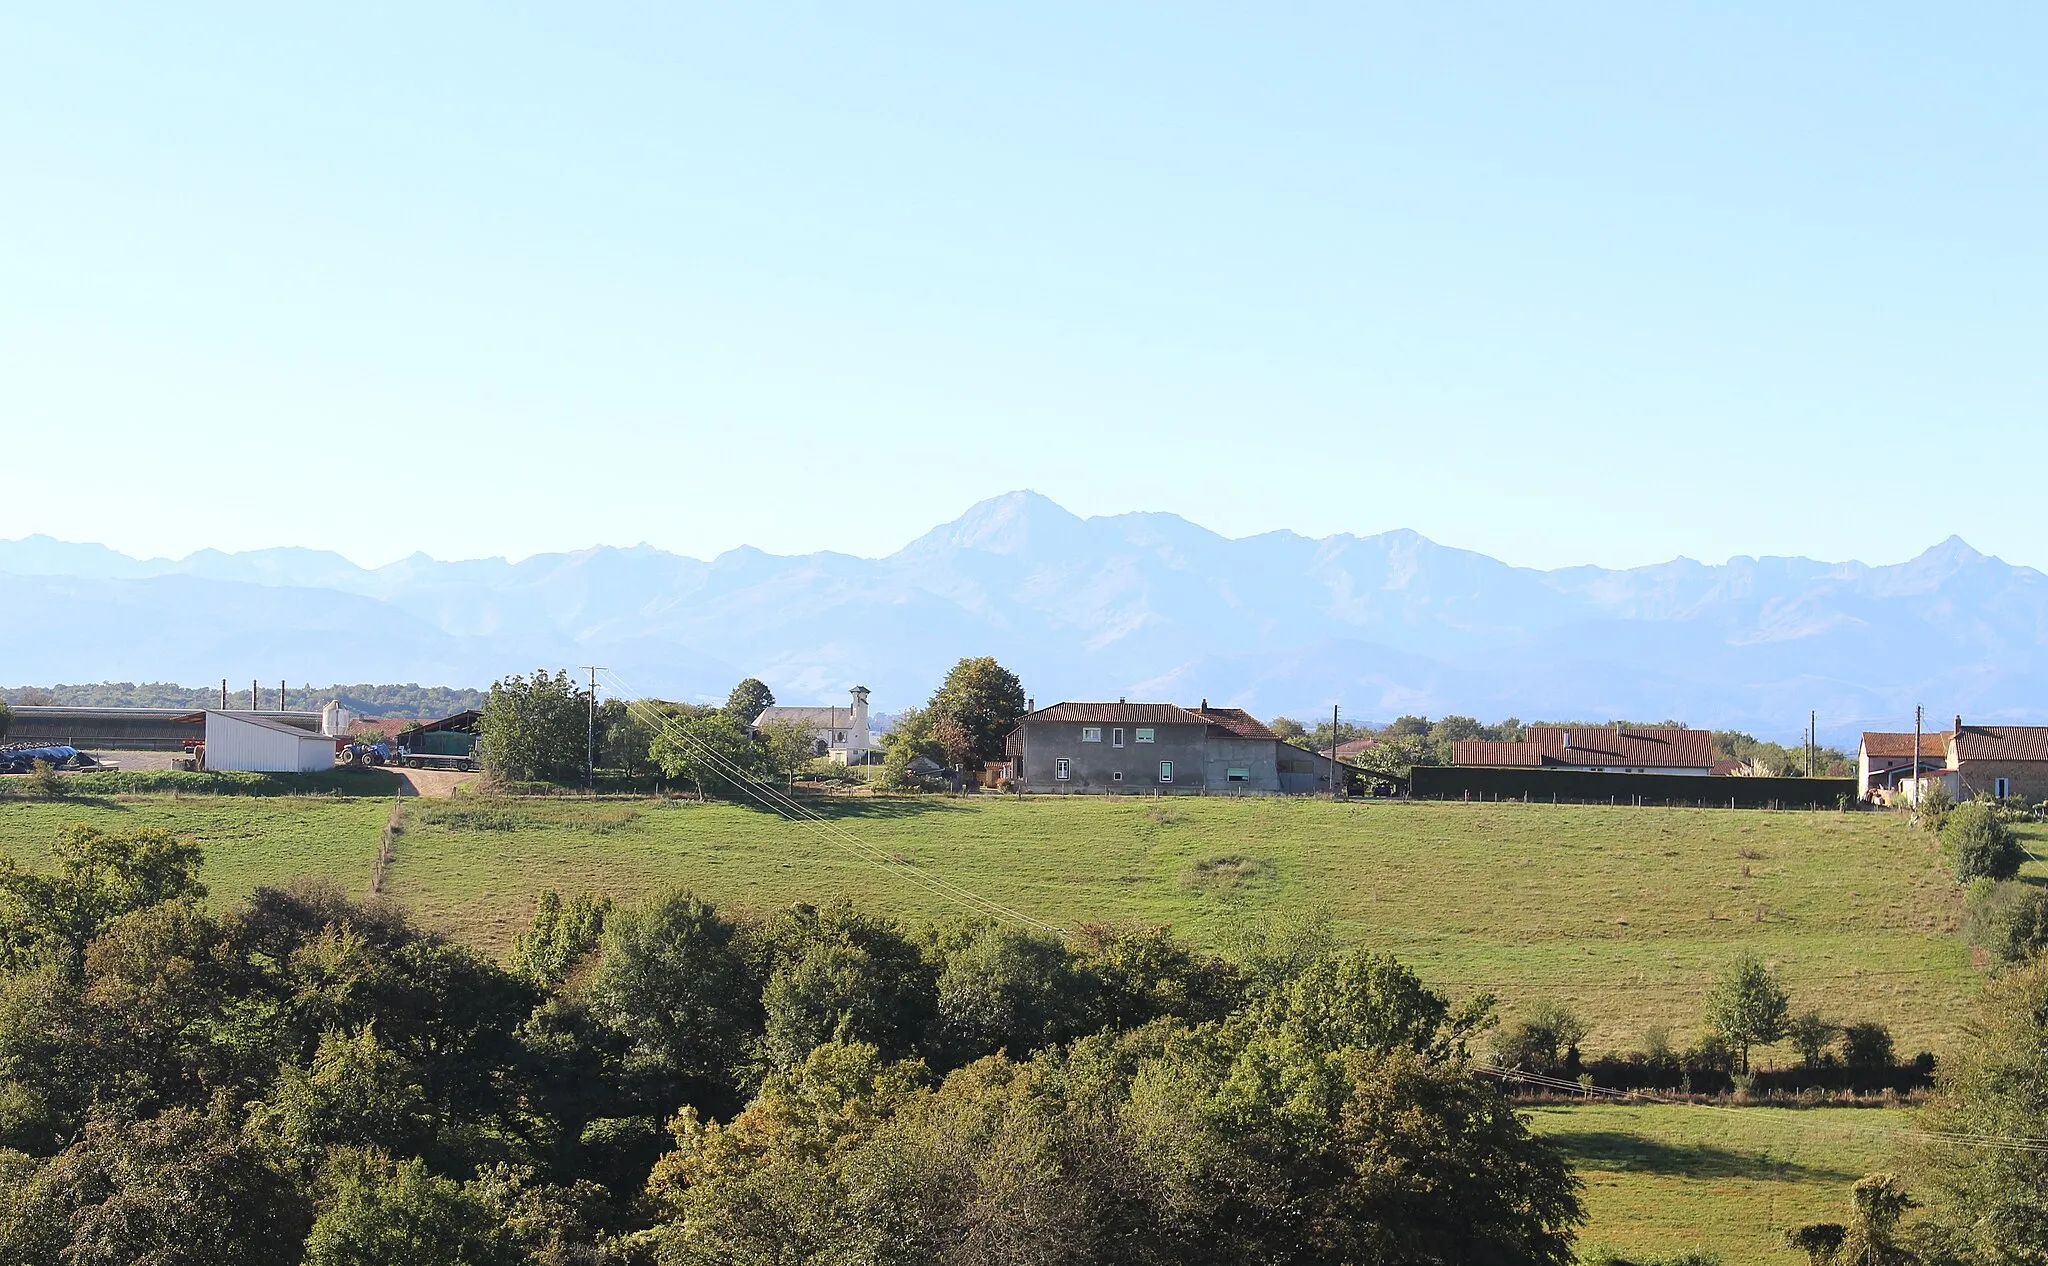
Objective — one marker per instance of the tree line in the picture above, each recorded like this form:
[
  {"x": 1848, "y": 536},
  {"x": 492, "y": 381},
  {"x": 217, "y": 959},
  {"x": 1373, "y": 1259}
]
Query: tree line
[
  {"x": 543, "y": 729},
  {"x": 306, "y": 1079}
]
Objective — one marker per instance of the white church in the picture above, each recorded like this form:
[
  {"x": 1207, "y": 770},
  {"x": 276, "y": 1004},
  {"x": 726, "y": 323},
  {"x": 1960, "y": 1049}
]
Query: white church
[{"x": 841, "y": 733}]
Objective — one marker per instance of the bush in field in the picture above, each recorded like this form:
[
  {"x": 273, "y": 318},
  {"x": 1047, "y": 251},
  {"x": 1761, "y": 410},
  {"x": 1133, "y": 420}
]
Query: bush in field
[
  {"x": 2021, "y": 929},
  {"x": 1748, "y": 1007},
  {"x": 535, "y": 729},
  {"x": 1984, "y": 847},
  {"x": 1545, "y": 1041}
]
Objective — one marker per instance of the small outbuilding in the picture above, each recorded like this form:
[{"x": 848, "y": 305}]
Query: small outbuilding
[{"x": 257, "y": 742}]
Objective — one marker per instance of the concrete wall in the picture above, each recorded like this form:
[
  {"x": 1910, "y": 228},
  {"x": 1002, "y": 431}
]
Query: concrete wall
[
  {"x": 234, "y": 744},
  {"x": 1254, "y": 756},
  {"x": 1095, "y": 765}
]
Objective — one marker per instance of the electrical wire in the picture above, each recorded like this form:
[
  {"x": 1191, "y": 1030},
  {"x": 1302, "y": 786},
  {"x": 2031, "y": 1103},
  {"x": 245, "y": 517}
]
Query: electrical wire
[{"x": 792, "y": 810}]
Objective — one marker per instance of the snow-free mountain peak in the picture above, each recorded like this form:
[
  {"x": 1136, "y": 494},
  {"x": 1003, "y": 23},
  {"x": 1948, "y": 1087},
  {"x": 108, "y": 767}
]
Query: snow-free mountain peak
[{"x": 1121, "y": 604}]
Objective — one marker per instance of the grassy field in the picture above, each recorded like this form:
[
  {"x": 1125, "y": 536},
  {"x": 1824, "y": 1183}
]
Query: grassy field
[
  {"x": 1663, "y": 1179},
  {"x": 1621, "y": 913}
]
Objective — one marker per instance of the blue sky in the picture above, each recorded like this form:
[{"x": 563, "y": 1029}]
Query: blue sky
[{"x": 1600, "y": 284}]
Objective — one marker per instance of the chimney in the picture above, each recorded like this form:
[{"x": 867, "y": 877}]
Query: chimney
[
  {"x": 1031, "y": 705},
  {"x": 1959, "y": 725},
  {"x": 1567, "y": 740},
  {"x": 1121, "y": 699},
  {"x": 1205, "y": 705}
]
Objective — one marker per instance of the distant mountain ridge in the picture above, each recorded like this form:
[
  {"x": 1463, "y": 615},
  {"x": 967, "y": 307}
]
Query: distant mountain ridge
[{"x": 1140, "y": 604}]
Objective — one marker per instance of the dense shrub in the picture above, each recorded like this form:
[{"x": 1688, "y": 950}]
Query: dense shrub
[
  {"x": 1983, "y": 846},
  {"x": 2021, "y": 927},
  {"x": 306, "y": 1080}
]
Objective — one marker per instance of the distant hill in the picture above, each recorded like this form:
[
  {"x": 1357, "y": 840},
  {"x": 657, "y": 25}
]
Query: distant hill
[
  {"x": 407, "y": 702},
  {"x": 1144, "y": 605}
]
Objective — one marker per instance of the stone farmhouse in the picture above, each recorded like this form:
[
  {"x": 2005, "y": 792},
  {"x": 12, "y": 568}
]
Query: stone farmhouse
[
  {"x": 1996, "y": 760},
  {"x": 1156, "y": 748}
]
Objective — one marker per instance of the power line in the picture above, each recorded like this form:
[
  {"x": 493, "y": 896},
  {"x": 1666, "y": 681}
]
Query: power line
[{"x": 790, "y": 809}]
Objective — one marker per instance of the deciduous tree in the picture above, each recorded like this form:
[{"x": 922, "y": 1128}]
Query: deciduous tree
[
  {"x": 1748, "y": 1006},
  {"x": 983, "y": 699},
  {"x": 535, "y": 729}
]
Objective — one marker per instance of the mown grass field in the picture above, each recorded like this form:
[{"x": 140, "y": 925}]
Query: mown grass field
[
  {"x": 1624, "y": 914},
  {"x": 1663, "y": 1179}
]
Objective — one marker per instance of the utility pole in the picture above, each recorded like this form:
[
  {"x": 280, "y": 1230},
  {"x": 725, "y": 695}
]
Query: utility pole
[
  {"x": 1917, "y": 710},
  {"x": 1334, "y": 744},
  {"x": 1812, "y": 741},
  {"x": 590, "y": 738}
]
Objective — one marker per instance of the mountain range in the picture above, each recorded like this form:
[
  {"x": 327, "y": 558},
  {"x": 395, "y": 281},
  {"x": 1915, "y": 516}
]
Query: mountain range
[{"x": 1141, "y": 605}]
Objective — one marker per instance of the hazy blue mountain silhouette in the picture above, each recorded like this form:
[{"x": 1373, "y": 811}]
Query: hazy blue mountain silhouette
[{"x": 1146, "y": 605}]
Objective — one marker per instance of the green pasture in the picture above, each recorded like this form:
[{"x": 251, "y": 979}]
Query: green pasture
[
  {"x": 1624, "y": 914},
  {"x": 1663, "y": 1179}
]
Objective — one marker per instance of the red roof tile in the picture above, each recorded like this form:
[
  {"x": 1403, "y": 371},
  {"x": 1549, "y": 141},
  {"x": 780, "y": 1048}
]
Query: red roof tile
[
  {"x": 1489, "y": 752},
  {"x": 1594, "y": 745},
  {"x": 2002, "y": 742},
  {"x": 1237, "y": 721},
  {"x": 1885, "y": 745}
]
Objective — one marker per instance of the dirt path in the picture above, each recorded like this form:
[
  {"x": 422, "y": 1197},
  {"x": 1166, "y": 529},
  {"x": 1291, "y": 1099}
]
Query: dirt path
[{"x": 431, "y": 782}]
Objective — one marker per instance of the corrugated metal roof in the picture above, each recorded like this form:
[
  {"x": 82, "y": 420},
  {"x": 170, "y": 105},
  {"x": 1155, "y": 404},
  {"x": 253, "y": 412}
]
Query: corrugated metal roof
[{"x": 268, "y": 721}]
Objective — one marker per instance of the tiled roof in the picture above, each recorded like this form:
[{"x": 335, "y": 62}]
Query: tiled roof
[
  {"x": 1886, "y": 745},
  {"x": 1117, "y": 713},
  {"x": 2002, "y": 742},
  {"x": 1594, "y": 745},
  {"x": 1237, "y": 721},
  {"x": 1489, "y": 752}
]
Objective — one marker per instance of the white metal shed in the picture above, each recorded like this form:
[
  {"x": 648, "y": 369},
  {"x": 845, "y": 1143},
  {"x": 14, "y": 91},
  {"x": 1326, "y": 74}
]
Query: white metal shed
[{"x": 257, "y": 743}]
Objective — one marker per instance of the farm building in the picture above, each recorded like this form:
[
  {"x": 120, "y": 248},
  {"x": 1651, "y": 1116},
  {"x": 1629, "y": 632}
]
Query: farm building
[
  {"x": 259, "y": 742},
  {"x": 1156, "y": 748}
]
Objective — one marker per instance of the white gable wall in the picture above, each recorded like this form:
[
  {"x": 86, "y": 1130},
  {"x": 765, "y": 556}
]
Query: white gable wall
[{"x": 237, "y": 745}]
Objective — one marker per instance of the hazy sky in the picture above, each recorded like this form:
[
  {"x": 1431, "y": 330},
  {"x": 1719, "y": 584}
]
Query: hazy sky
[{"x": 1562, "y": 283}]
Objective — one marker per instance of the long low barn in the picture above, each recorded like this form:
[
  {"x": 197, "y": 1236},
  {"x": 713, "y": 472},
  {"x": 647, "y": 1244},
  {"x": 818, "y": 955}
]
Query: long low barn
[{"x": 123, "y": 729}]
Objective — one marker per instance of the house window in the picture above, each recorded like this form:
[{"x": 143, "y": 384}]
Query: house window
[
  {"x": 2001, "y": 787},
  {"x": 1238, "y": 775},
  {"x": 1062, "y": 768},
  {"x": 1116, "y": 737},
  {"x": 1091, "y": 734},
  {"x": 1144, "y": 734},
  {"x": 1118, "y": 776},
  {"x": 840, "y": 737},
  {"x": 1166, "y": 771}
]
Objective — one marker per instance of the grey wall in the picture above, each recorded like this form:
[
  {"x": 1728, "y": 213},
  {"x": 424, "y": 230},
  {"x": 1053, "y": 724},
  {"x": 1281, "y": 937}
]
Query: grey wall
[
  {"x": 1096, "y": 764},
  {"x": 1252, "y": 755}
]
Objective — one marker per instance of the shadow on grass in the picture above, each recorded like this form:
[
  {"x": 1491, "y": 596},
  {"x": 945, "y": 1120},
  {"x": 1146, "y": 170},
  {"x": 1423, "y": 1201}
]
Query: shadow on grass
[
  {"x": 1616, "y": 1152},
  {"x": 87, "y": 801}
]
